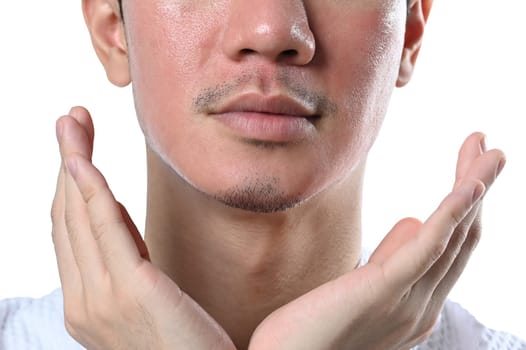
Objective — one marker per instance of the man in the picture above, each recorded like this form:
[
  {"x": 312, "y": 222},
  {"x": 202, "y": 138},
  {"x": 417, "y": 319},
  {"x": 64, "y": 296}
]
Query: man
[{"x": 258, "y": 117}]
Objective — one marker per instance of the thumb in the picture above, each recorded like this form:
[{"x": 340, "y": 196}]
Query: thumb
[{"x": 404, "y": 231}]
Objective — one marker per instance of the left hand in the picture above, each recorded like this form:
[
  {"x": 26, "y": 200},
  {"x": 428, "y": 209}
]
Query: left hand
[
  {"x": 393, "y": 301},
  {"x": 114, "y": 297}
]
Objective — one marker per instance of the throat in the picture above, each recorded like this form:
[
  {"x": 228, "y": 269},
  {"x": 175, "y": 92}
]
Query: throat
[{"x": 241, "y": 279}]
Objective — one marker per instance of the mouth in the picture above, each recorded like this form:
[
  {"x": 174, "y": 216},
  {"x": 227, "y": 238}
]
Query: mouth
[{"x": 267, "y": 118}]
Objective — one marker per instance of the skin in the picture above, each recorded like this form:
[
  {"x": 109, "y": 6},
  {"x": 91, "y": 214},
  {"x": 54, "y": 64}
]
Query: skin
[{"x": 253, "y": 242}]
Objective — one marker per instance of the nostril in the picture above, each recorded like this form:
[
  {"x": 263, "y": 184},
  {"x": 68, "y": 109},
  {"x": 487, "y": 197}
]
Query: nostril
[
  {"x": 283, "y": 55},
  {"x": 289, "y": 53},
  {"x": 246, "y": 51}
]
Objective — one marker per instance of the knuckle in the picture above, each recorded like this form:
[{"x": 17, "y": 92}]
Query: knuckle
[
  {"x": 56, "y": 212},
  {"x": 100, "y": 314},
  {"x": 421, "y": 338},
  {"x": 99, "y": 309},
  {"x": 406, "y": 326},
  {"x": 74, "y": 319},
  {"x": 54, "y": 237},
  {"x": 72, "y": 227},
  {"x": 455, "y": 217},
  {"x": 427, "y": 330},
  {"x": 428, "y": 323},
  {"x": 407, "y": 297},
  {"x": 69, "y": 220},
  {"x": 102, "y": 228},
  {"x": 462, "y": 228},
  {"x": 455, "y": 209},
  {"x": 427, "y": 327},
  {"x": 412, "y": 313},
  {"x": 473, "y": 239},
  {"x": 90, "y": 193},
  {"x": 408, "y": 317},
  {"x": 71, "y": 329},
  {"x": 438, "y": 249}
]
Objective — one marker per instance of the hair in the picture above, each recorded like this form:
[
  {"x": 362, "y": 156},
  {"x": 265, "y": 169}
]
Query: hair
[{"x": 120, "y": 10}]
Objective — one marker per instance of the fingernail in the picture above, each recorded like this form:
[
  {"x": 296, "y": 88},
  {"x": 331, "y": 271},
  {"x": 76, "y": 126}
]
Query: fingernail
[
  {"x": 59, "y": 130},
  {"x": 483, "y": 147},
  {"x": 500, "y": 166},
  {"x": 478, "y": 191},
  {"x": 71, "y": 165}
]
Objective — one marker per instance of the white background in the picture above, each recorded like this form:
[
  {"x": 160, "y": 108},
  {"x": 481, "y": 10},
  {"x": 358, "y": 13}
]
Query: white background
[{"x": 471, "y": 76}]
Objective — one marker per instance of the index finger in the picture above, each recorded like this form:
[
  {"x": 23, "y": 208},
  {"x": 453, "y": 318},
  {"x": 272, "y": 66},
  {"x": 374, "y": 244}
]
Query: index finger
[{"x": 417, "y": 257}]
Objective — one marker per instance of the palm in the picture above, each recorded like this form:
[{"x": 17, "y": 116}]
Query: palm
[{"x": 328, "y": 317}]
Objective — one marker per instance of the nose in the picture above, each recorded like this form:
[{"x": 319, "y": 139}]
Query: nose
[{"x": 277, "y": 30}]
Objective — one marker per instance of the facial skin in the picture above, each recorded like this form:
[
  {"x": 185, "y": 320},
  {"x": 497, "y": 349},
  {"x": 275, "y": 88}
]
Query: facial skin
[
  {"x": 334, "y": 61},
  {"x": 188, "y": 59}
]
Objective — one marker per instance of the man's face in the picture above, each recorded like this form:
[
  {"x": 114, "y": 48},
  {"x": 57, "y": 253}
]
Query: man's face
[{"x": 262, "y": 104}]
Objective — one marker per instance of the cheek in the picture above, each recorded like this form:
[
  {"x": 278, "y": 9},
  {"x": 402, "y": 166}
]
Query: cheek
[
  {"x": 169, "y": 44},
  {"x": 365, "y": 74}
]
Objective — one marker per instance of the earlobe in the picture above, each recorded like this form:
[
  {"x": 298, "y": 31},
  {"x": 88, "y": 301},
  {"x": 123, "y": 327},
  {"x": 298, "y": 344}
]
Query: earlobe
[
  {"x": 108, "y": 38},
  {"x": 416, "y": 20}
]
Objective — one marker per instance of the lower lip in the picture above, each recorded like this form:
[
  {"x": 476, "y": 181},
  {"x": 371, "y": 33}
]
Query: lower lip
[{"x": 267, "y": 127}]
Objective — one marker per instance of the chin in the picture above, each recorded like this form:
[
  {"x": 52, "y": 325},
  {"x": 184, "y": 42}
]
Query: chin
[
  {"x": 263, "y": 198},
  {"x": 262, "y": 193}
]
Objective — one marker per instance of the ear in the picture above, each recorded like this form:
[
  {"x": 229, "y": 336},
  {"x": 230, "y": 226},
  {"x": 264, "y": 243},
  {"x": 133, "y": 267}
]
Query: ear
[
  {"x": 417, "y": 15},
  {"x": 106, "y": 29}
]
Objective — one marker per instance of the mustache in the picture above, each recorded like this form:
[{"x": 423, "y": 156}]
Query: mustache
[{"x": 210, "y": 98}]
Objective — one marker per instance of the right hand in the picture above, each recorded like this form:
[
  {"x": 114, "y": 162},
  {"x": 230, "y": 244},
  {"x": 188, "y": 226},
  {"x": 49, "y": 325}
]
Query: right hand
[
  {"x": 393, "y": 301},
  {"x": 114, "y": 297}
]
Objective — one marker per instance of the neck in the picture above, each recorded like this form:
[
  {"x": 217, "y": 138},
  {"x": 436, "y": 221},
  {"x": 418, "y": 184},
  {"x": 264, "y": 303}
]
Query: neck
[{"x": 239, "y": 265}]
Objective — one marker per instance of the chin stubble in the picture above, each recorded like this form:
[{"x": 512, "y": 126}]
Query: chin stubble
[{"x": 258, "y": 195}]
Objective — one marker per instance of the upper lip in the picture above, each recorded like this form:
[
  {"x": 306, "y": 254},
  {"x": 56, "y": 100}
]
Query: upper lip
[{"x": 276, "y": 104}]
